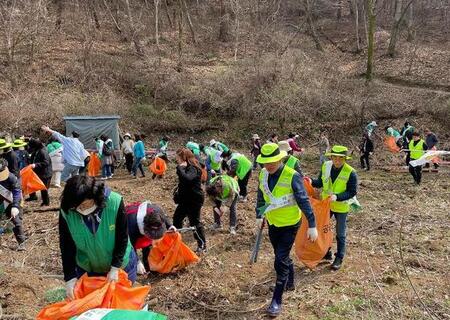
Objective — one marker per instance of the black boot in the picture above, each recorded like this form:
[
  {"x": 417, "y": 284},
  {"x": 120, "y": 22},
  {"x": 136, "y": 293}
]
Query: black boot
[
  {"x": 328, "y": 255},
  {"x": 274, "y": 308},
  {"x": 32, "y": 197},
  {"x": 290, "y": 285},
  {"x": 336, "y": 265}
]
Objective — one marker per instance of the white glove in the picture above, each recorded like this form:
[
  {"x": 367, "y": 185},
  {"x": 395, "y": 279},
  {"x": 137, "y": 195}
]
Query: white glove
[
  {"x": 141, "y": 268},
  {"x": 333, "y": 197},
  {"x": 113, "y": 274},
  {"x": 33, "y": 165},
  {"x": 70, "y": 285},
  {"x": 312, "y": 234},
  {"x": 172, "y": 229},
  {"x": 14, "y": 212},
  {"x": 259, "y": 223},
  {"x": 213, "y": 172}
]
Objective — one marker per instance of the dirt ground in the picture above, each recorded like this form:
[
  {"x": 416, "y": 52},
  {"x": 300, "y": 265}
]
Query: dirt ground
[{"x": 396, "y": 267}]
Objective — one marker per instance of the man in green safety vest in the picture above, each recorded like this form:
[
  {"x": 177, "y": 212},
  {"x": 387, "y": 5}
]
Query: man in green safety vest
[
  {"x": 291, "y": 161},
  {"x": 194, "y": 147},
  {"x": 339, "y": 181},
  {"x": 239, "y": 166},
  {"x": 223, "y": 190},
  {"x": 417, "y": 148},
  {"x": 219, "y": 146},
  {"x": 281, "y": 200},
  {"x": 213, "y": 161}
]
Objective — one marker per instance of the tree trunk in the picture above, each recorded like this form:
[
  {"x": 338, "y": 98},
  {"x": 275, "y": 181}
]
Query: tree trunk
[
  {"x": 370, "y": 44},
  {"x": 134, "y": 35},
  {"x": 59, "y": 10},
  {"x": 223, "y": 23},
  {"x": 188, "y": 17},
  {"x": 157, "y": 23},
  {"x": 395, "y": 28},
  {"x": 339, "y": 10},
  {"x": 312, "y": 28},
  {"x": 356, "y": 14},
  {"x": 168, "y": 14},
  {"x": 409, "y": 24},
  {"x": 180, "y": 38}
]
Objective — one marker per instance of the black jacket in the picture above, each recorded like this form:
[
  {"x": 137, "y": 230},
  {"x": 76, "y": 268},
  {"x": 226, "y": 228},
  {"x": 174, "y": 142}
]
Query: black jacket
[
  {"x": 366, "y": 145},
  {"x": 13, "y": 162},
  {"x": 43, "y": 163},
  {"x": 13, "y": 185},
  {"x": 190, "y": 184}
]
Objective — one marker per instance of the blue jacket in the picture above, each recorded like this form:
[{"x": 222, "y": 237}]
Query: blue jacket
[
  {"x": 13, "y": 185},
  {"x": 139, "y": 150}
]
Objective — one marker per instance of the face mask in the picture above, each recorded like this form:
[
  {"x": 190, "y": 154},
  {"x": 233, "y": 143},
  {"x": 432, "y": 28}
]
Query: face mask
[{"x": 87, "y": 211}]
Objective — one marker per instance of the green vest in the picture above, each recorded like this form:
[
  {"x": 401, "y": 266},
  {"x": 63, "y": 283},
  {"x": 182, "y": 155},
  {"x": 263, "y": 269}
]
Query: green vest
[
  {"x": 291, "y": 161},
  {"x": 222, "y": 147},
  {"x": 229, "y": 186},
  {"x": 211, "y": 152},
  {"x": 289, "y": 214},
  {"x": 339, "y": 186},
  {"x": 194, "y": 147},
  {"x": 244, "y": 165},
  {"x": 416, "y": 151},
  {"x": 94, "y": 252}
]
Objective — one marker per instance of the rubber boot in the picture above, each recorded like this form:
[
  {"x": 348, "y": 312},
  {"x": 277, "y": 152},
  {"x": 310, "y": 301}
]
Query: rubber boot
[
  {"x": 328, "y": 255},
  {"x": 290, "y": 285},
  {"x": 274, "y": 309}
]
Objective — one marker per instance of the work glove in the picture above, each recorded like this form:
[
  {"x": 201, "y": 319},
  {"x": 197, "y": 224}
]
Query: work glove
[
  {"x": 33, "y": 165},
  {"x": 259, "y": 222},
  {"x": 333, "y": 197},
  {"x": 172, "y": 229},
  {"x": 141, "y": 268},
  {"x": 113, "y": 274},
  {"x": 70, "y": 286},
  {"x": 14, "y": 212},
  {"x": 312, "y": 234}
]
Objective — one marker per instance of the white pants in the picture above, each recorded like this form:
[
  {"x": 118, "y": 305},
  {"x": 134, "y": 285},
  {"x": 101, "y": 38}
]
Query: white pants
[{"x": 57, "y": 178}]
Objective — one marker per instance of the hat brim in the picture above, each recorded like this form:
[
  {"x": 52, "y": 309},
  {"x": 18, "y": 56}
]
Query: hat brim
[
  {"x": 4, "y": 174},
  {"x": 8, "y": 145},
  {"x": 273, "y": 159},
  {"x": 329, "y": 154},
  {"x": 20, "y": 145}
]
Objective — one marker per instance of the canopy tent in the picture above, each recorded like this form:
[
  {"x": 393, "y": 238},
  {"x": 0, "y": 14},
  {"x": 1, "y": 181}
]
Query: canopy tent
[{"x": 91, "y": 127}]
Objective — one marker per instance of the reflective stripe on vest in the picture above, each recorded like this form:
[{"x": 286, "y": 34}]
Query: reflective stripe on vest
[
  {"x": 416, "y": 151},
  {"x": 291, "y": 162},
  {"x": 282, "y": 209},
  {"x": 244, "y": 165},
  {"x": 339, "y": 186},
  {"x": 94, "y": 251}
]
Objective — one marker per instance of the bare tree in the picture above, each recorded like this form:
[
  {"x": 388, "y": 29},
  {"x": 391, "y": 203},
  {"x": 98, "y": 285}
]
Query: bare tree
[
  {"x": 370, "y": 36},
  {"x": 400, "y": 12},
  {"x": 312, "y": 28},
  {"x": 354, "y": 5},
  {"x": 223, "y": 22}
]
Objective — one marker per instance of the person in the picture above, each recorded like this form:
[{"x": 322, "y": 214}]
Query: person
[
  {"x": 324, "y": 147},
  {"x": 127, "y": 149},
  {"x": 99, "y": 146},
  {"x": 139, "y": 155},
  {"x": 22, "y": 154},
  {"x": 417, "y": 148},
  {"x": 73, "y": 152},
  {"x": 87, "y": 158},
  {"x": 339, "y": 181},
  {"x": 241, "y": 167},
  {"x": 255, "y": 149},
  {"x": 107, "y": 157},
  {"x": 223, "y": 190},
  {"x": 273, "y": 138},
  {"x": 7, "y": 153},
  {"x": 431, "y": 141},
  {"x": 281, "y": 200},
  {"x": 366, "y": 149},
  {"x": 407, "y": 133},
  {"x": 290, "y": 161},
  {"x": 213, "y": 161},
  {"x": 219, "y": 146},
  {"x": 189, "y": 195},
  {"x": 93, "y": 233},
  {"x": 194, "y": 147},
  {"x": 54, "y": 149},
  {"x": 370, "y": 128},
  {"x": 146, "y": 222},
  {"x": 293, "y": 143},
  {"x": 163, "y": 146},
  {"x": 11, "y": 197},
  {"x": 391, "y": 132},
  {"x": 42, "y": 166}
]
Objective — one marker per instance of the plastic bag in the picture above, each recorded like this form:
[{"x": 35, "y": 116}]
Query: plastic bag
[
  {"x": 311, "y": 253},
  {"x": 30, "y": 181},
  {"x": 170, "y": 254},
  {"x": 158, "y": 166},
  {"x": 390, "y": 143},
  {"x": 95, "y": 165},
  {"x": 97, "y": 292},
  {"x": 111, "y": 314}
]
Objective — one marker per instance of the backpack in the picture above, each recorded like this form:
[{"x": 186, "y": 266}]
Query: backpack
[{"x": 107, "y": 149}]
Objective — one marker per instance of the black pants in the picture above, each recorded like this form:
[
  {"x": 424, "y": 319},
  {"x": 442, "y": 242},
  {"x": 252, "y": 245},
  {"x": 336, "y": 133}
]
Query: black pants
[
  {"x": 17, "y": 221},
  {"x": 365, "y": 164},
  {"x": 44, "y": 193},
  {"x": 192, "y": 211},
  {"x": 129, "y": 158},
  {"x": 416, "y": 172},
  {"x": 243, "y": 184},
  {"x": 145, "y": 254},
  {"x": 282, "y": 239}
]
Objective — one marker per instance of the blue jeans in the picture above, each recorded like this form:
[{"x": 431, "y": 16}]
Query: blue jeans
[
  {"x": 130, "y": 269},
  {"x": 69, "y": 171},
  {"x": 341, "y": 226},
  {"x": 282, "y": 239},
  {"x": 106, "y": 170},
  {"x": 137, "y": 164}
]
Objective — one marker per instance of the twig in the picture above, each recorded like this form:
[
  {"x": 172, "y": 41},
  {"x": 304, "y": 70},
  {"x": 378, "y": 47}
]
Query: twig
[{"x": 216, "y": 309}]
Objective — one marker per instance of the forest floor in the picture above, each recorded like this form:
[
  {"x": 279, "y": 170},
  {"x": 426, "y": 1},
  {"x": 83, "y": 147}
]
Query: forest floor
[{"x": 396, "y": 267}]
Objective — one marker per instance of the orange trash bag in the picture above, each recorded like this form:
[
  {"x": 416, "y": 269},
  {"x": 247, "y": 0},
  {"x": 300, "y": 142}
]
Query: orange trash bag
[
  {"x": 390, "y": 143},
  {"x": 170, "y": 254},
  {"x": 311, "y": 253},
  {"x": 94, "y": 166},
  {"x": 97, "y": 292},
  {"x": 30, "y": 181},
  {"x": 158, "y": 166}
]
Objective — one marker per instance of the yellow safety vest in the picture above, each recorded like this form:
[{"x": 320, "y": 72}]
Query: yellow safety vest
[
  {"x": 416, "y": 151},
  {"x": 339, "y": 186}
]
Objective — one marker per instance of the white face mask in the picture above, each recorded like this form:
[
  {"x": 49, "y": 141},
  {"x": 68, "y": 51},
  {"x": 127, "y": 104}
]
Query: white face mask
[{"x": 87, "y": 211}]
